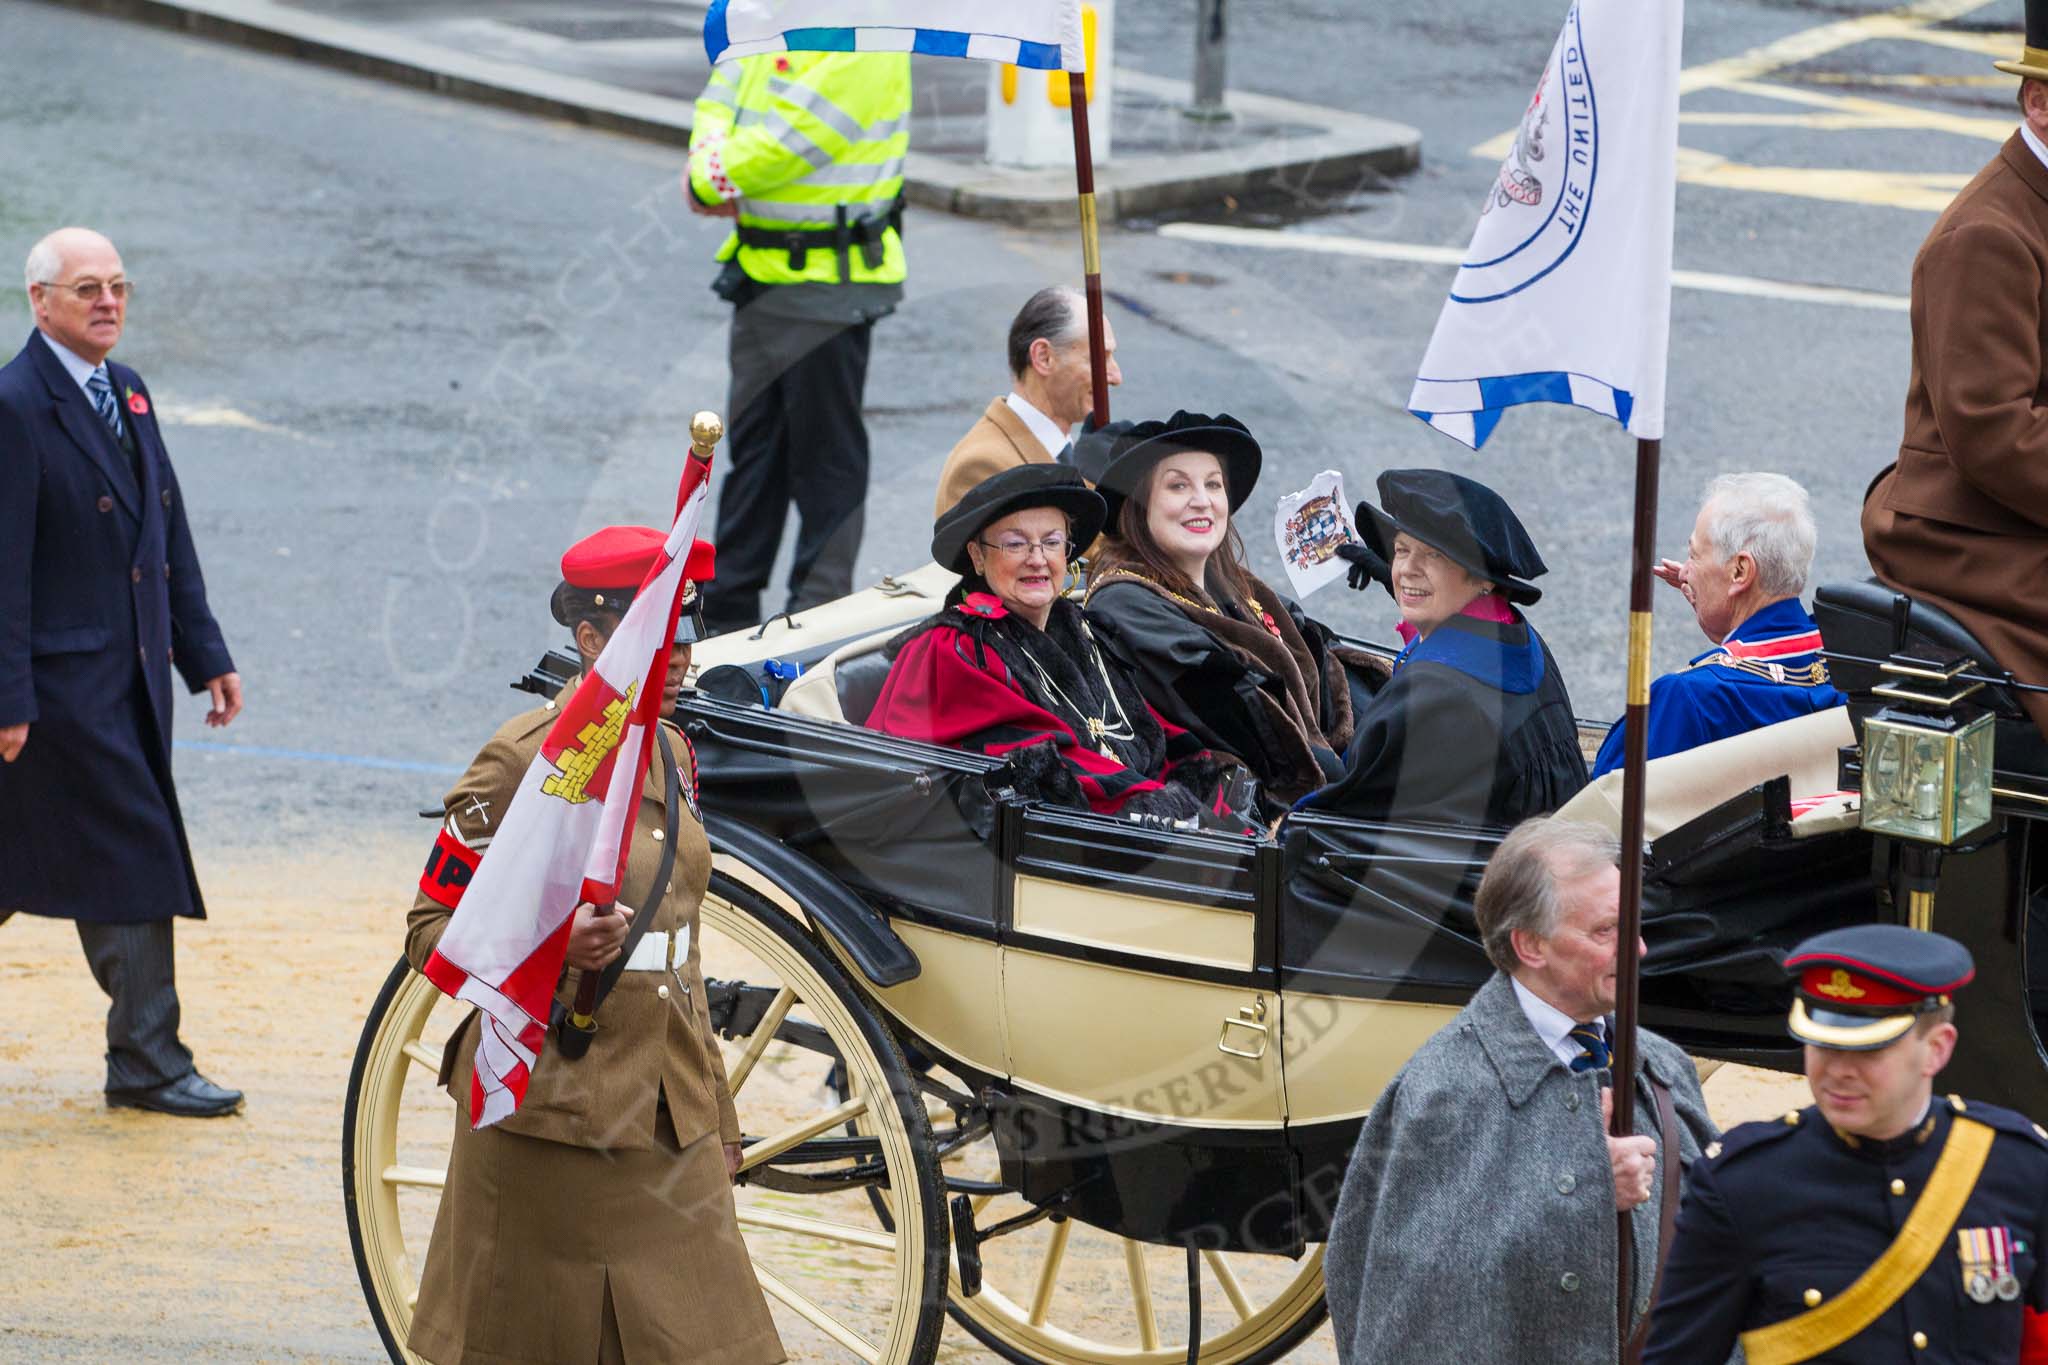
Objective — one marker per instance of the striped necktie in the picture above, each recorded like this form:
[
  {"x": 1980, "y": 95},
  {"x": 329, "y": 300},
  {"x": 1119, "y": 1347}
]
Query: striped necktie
[
  {"x": 101, "y": 390},
  {"x": 1593, "y": 1051}
]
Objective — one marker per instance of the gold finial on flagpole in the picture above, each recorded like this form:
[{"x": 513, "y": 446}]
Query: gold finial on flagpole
[{"x": 706, "y": 430}]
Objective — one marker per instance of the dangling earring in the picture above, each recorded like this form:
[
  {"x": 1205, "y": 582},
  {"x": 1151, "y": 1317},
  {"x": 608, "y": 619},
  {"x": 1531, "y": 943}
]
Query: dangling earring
[{"x": 1077, "y": 574}]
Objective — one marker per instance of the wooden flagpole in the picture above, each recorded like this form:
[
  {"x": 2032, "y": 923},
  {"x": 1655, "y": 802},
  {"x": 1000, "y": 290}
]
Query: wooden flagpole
[
  {"x": 1091, "y": 247},
  {"x": 1635, "y": 752}
]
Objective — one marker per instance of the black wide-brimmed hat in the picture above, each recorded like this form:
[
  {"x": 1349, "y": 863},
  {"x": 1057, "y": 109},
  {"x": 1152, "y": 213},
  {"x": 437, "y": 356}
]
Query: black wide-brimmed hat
[
  {"x": 1470, "y": 523},
  {"x": 2033, "y": 62},
  {"x": 1013, "y": 490},
  {"x": 1118, "y": 464},
  {"x": 1861, "y": 988}
]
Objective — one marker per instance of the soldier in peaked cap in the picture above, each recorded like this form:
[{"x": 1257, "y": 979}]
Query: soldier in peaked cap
[
  {"x": 1881, "y": 1223},
  {"x": 1475, "y": 726},
  {"x": 597, "y": 1222},
  {"x": 1958, "y": 521}
]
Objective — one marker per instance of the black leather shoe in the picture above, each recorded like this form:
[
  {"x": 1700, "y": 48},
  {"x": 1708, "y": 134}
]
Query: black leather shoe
[{"x": 191, "y": 1096}]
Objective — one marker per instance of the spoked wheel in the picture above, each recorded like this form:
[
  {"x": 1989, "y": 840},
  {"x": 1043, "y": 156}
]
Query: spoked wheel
[
  {"x": 1062, "y": 1293},
  {"x": 824, "y": 1097}
]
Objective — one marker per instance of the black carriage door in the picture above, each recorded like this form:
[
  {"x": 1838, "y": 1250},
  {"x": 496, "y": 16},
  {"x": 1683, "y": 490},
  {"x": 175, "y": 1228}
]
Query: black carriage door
[{"x": 1378, "y": 951}]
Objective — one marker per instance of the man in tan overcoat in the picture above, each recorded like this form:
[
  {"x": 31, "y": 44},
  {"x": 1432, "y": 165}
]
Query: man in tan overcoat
[
  {"x": 1050, "y": 390},
  {"x": 1961, "y": 521}
]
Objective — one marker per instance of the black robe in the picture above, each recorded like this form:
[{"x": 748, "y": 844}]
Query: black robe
[
  {"x": 1203, "y": 685},
  {"x": 1474, "y": 728}
]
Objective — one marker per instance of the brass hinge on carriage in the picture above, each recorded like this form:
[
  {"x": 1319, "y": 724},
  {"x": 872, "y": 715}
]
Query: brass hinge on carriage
[{"x": 1253, "y": 1035}]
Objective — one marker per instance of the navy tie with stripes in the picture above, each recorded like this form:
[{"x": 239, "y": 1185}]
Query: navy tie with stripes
[
  {"x": 101, "y": 390},
  {"x": 1593, "y": 1051}
]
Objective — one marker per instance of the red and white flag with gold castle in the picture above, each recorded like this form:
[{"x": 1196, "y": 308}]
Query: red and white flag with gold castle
[{"x": 563, "y": 840}]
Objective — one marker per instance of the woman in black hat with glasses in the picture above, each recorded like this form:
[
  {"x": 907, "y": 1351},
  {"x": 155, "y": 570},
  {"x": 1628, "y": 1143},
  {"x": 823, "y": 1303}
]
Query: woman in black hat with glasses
[
  {"x": 1475, "y": 725},
  {"x": 1214, "y": 648},
  {"x": 1009, "y": 667}
]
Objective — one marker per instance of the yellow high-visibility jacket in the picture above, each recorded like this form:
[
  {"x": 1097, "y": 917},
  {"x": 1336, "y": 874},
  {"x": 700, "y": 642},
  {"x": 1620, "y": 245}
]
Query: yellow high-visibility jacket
[{"x": 799, "y": 139}]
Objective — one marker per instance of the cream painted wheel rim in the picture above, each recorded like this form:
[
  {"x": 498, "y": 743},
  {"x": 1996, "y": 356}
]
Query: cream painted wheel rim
[
  {"x": 838, "y": 1285},
  {"x": 1241, "y": 1320}
]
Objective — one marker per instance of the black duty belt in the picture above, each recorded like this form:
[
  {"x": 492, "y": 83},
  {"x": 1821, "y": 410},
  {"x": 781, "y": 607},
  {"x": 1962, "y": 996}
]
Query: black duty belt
[{"x": 865, "y": 232}]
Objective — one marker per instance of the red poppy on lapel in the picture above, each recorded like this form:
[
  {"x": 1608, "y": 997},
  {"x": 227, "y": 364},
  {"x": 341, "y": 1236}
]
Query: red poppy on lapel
[
  {"x": 782, "y": 65},
  {"x": 137, "y": 404}
]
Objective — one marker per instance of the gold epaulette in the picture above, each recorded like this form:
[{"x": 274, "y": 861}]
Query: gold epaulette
[{"x": 1814, "y": 674}]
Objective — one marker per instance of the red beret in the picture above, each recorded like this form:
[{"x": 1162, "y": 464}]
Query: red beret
[{"x": 619, "y": 558}]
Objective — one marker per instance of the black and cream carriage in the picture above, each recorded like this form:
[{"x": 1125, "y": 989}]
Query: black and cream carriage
[{"x": 1050, "y": 1072}]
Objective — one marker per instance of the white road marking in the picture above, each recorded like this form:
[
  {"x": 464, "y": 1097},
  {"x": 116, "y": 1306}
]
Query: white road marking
[
  {"x": 216, "y": 415},
  {"x": 1746, "y": 286}
]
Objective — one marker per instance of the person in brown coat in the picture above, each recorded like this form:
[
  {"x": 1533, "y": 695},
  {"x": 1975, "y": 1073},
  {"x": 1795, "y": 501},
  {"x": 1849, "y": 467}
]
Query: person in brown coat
[
  {"x": 1050, "y": 390},
  {"x": 1961, "y": 521},
  {"x": 597, "y": 1222}
]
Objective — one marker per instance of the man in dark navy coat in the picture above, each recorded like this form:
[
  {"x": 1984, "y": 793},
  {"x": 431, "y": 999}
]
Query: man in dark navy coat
[
  {"x": 100, "y": 597},
  {"x": 1881, "y": 1224}
]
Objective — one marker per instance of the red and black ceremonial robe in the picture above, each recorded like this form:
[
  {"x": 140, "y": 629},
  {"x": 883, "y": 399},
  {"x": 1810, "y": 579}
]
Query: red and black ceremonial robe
[{"x": 976, "y": 677}]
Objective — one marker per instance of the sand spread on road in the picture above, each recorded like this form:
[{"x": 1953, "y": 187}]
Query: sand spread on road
[{"x": 136, "y": 1237}]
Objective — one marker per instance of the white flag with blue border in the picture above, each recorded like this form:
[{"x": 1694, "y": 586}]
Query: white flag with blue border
[
  {"x": 1565, "y": 293},
  {"x": 1043, "y": 34}
]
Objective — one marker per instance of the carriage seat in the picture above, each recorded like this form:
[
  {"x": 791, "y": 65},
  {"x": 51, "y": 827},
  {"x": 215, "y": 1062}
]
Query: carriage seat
[
  {"x": 1856, "y": 619},
  {"x": 1681, "y": 786},
  {"x": 845, "y": 684}
]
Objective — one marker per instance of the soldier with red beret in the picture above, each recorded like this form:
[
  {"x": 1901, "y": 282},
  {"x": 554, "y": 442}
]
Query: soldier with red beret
[
  {"x": 1880, "y": 1224},
  {"x": 597, "y": 1223}
]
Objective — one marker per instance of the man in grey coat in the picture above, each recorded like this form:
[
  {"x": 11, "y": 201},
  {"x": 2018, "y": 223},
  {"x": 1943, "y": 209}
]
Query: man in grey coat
[{"x": 1477, "y": 1220}]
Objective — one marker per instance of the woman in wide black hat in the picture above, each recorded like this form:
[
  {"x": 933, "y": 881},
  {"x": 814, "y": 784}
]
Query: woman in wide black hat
[
  {"x": 1214, "y": 648},
  {"x": 1010, "y": 667},
  {"x": 1475, "y": 725}
]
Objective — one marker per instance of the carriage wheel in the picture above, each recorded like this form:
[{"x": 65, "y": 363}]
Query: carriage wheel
[
  {"x": 1063, "y": 1293},
  {"x": 838, "y": 1287},
  {"x": 1070, "y": 1294}
]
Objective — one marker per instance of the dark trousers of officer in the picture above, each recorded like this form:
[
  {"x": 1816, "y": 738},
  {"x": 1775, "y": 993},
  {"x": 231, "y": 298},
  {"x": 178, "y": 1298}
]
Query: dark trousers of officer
[
  {"x": 796, "y": 436},
  {"x": 133, "y": 964}
]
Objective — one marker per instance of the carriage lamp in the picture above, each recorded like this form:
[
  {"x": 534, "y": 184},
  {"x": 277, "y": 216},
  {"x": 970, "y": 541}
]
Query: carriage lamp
[
  {"x": 1927, "y": 753},
  {"x": 1926, "y": 767}
]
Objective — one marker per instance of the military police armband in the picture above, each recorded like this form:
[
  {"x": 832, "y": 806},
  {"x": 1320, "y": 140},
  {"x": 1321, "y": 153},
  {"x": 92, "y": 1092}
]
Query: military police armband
[{"x": 450, "y": 865}]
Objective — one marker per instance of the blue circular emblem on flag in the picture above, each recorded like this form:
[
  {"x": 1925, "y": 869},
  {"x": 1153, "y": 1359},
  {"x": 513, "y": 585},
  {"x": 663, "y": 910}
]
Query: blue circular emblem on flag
[{"x": 1536, "y": 209}]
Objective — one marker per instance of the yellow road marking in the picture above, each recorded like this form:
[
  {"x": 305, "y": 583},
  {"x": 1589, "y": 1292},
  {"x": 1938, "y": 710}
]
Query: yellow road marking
[
  {"x": 1821, "y": 123},
  {"x": 1818, "y": 42},
  {"x": 1887, "y": 189},
  {"x": 1984, "y": 44},
  {"x": 1742, "y": 73},
  {"x": 1918, "y": 80},
  {"x": 1894, "y": 115}
]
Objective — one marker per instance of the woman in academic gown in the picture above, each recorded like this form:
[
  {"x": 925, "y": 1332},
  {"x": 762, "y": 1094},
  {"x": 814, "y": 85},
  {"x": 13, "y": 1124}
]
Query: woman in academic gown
[
  {"x": 1010, "y": 667},
  {"x": 596, "y": 1223},
  {"x": 1475, "y": 726},
  {"x": 1215, "y": 649}
]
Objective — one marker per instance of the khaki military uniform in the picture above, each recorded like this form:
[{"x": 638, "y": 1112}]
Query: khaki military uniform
[{"x": 596, "y": 1223}]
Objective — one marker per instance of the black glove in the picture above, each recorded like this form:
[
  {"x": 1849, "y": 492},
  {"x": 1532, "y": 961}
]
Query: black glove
[{"x": 1367, "y": 568}]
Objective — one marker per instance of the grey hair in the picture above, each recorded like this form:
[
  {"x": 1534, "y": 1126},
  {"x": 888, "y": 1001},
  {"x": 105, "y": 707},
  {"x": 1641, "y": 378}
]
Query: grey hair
[
  {"x": 1519, "y": 890},
  {"x": 1768, "y": 517},
  {"x": 45, "y": 262},
  {"x": 1057, "y": 314}
]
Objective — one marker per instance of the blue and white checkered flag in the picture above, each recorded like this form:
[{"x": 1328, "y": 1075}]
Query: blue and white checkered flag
[
  {"x": 1565, "y": 293},
  {"x": 1044, "y": 34}
]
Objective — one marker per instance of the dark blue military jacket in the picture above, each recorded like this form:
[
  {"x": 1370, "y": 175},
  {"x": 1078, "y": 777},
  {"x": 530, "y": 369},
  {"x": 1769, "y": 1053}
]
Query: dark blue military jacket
[
  {"x": 1768, "y": 670},
  {"x": 1786, "y": 1215},
  {"x": 100, "y": 596}
]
